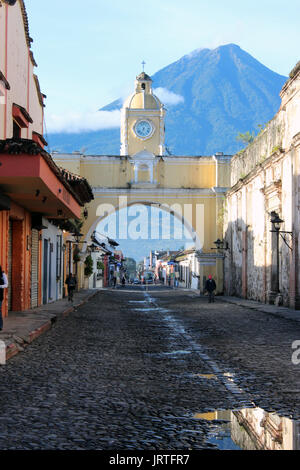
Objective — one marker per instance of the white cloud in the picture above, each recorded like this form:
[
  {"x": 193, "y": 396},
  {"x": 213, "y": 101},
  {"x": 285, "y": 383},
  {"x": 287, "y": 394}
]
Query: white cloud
[
  {"x": 168, "y": 97},
  {"x": 74, "y": 122}
]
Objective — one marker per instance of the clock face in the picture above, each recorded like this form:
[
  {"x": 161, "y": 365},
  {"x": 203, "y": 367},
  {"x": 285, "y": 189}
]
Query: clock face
[{"x": 143, "y": 129}]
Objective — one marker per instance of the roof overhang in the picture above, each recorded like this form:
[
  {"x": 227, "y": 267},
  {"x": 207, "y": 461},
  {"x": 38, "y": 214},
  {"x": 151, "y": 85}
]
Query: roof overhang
[
  {"x": 21, "y": 115},
  {"x": 31, "y": 183}
]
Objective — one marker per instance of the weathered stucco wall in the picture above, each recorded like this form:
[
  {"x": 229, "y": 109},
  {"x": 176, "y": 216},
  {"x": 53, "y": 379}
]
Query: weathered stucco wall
[
  {"x": 17, "y": 66},
  {"x": 265, "y": 178},
  {"x": 264, "y": 145}
]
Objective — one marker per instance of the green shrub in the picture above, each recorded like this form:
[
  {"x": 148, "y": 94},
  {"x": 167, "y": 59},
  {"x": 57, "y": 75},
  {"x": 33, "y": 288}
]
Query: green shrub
[{"x": 88, "y": 270}]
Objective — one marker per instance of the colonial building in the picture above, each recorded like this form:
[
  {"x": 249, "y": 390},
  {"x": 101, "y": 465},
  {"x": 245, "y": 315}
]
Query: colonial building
[
  {"x": 261, "y": 217},
  {"x": 142, "y": 122},
  {"x": 190, "y": 188},
  {"x": 35, "y": 195}
]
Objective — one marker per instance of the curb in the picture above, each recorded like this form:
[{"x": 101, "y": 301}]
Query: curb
[
  {"x": 14, "y": 347},
  {"x": 280, "y": 312}
]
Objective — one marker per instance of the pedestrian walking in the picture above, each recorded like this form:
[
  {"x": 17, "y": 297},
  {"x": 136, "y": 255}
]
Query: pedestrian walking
[
  {"x": 3, "y": 285},
  {"x": 210, "y": 287},
  {"x": 71, "y": 282}
]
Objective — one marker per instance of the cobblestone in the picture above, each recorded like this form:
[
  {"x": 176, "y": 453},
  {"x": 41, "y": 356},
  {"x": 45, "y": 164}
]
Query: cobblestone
[{"x": 113, "y": 376}]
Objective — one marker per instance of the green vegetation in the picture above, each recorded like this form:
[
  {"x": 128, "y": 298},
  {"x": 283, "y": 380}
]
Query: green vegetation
[
  {"x": 246, "y": 138},
  {"x": 88, "y": 263},
  {"x": 276, "y": 149},
  {"x": 100, "y": 265},
  {"x": 261, "y": 128},
  {"x": 295, "y": 70},
  {"x": 262, "y": 159},
  {"x": 221, "y": 214},
  {"x": 76, "y": 254}
]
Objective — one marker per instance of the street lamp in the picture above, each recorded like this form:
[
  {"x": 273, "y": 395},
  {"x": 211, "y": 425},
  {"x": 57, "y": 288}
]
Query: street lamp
[
  {"x": 77, "y": 237},
  {"x": 276, "y": 221},
  {"x": 220, "y": 245}
]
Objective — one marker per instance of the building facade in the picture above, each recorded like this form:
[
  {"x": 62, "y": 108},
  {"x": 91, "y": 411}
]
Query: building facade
[
  {"x": 262, "y": 259},
  {"x": 34, "y": 192},
  {"x": 192, "y": 188}
]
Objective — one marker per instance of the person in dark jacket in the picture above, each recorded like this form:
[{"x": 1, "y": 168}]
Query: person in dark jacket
[
  {"x": 71, "y": 282},
  {"x": 210, "y": 287},
  {"x": 3, "y": 285}
]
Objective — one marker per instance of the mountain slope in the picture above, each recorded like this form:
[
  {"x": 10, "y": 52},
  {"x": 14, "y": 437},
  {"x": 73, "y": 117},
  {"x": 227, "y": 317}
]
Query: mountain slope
[{"x": 225, "y": 91}]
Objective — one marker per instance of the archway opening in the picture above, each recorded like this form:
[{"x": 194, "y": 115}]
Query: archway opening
[{"x": 147, "y": 232}]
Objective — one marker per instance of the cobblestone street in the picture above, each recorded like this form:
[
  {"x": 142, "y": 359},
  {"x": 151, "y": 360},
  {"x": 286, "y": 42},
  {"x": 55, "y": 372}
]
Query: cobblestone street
[{"x": 131, "y": 369}]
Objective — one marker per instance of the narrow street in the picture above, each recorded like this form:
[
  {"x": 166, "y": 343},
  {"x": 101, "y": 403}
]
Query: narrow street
[{"x": 141, "y": 369}]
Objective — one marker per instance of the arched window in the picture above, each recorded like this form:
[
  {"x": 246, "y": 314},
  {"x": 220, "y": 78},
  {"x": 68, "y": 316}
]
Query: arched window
[{"x": 144, "y": 173}]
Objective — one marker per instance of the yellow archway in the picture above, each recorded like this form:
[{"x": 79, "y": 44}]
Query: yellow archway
[{"x": 191, "y": 187}]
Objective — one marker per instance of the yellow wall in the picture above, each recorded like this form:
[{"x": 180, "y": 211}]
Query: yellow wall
[
  {"x": 169, "y": 172},
  {"x": 180, "y": 180},
  {"x": 188, "y": 184}
]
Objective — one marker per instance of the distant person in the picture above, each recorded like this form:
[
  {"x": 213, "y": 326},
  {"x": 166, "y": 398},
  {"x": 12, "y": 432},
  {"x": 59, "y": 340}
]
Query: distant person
[
  {"x": 71, "y": 282},
  {"x": 176, "y": 279},
  {"x": 3, "y": 285},
  {"x": 210, "y": 287}
]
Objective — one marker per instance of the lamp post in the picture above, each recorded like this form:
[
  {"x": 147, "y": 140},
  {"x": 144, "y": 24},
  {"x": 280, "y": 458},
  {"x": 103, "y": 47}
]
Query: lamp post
[
  {"x": 276, "y": 222},
  {"x": 221, "y": 245},
  {"x": 77, "y": 237},
  {"x": 69, "y": 242}
]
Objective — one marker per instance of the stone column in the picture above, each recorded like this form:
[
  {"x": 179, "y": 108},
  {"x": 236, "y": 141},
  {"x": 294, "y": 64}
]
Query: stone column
[
  {"x": 244, "y": 263},
  {"x": 244, "y": 243}
]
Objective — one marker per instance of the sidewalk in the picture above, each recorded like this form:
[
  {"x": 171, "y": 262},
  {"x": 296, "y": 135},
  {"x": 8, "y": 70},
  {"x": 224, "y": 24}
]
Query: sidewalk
[
  {"x": 21, "y": 328},
  {"x": 283, "y": 312}
]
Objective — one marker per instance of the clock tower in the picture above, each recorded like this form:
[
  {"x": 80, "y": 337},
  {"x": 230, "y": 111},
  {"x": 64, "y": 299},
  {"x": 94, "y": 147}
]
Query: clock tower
[{"x": 142, "y": 121}]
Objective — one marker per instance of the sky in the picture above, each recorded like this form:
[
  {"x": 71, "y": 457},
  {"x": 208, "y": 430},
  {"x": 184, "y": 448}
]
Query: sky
[
  {"x": 89, "y": 53},
  {"x": 146, "y": 229}
]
